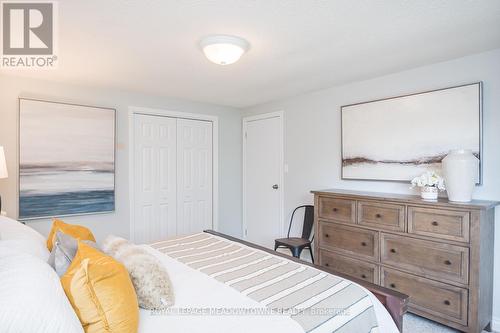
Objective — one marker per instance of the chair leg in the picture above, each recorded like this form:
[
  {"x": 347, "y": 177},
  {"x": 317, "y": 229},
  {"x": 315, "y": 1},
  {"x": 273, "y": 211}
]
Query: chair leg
[
  {"x": 312, "y": 257},
  {"x": 296, "y": 252}
]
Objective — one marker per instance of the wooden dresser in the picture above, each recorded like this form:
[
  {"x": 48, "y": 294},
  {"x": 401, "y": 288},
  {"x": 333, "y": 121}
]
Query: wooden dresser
[{"x": 440, "y": 253}]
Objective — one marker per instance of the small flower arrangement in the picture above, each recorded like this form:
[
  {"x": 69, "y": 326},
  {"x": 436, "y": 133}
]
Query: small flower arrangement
[
  {"x": 430, "y": 183},
  {"x": 431, "y": 179}
]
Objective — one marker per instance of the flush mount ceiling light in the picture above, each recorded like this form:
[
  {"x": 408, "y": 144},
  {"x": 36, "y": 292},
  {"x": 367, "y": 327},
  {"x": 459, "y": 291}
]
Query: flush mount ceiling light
[{"x": 224, "y": 49}]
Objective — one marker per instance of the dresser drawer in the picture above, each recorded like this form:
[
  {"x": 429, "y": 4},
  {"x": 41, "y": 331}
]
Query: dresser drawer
[
  {"x": 429, "y": 296},
  {"x": 446, "y": 224},
  {"x": 352, "y": 267},
  {"x": 341, "y": 210},
  {"x": 381, "y": 215},
  {"x": 427, "y": 258},
  {"x": 358, "y": 242}
]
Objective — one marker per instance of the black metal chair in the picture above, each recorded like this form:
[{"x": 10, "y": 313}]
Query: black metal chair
[{"x": 296, "y": 244}]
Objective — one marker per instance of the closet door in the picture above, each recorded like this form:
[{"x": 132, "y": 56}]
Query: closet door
[
  {"x": 155, "y": 196},
  {"x": 194, "y": 176}
]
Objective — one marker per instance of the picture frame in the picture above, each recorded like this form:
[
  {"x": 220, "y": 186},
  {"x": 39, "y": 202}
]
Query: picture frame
[
  {"x": 398, "y": 138},
  {"x": 66, "y": 159}
]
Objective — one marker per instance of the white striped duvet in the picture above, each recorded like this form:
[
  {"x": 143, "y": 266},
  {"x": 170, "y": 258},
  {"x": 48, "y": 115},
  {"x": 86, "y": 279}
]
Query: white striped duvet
[{"x": 291, "y": 297}]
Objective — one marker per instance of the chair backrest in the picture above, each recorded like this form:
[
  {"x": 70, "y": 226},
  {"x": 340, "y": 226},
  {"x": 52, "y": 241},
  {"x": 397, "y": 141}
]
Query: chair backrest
[{"x": 308, "y": 221}]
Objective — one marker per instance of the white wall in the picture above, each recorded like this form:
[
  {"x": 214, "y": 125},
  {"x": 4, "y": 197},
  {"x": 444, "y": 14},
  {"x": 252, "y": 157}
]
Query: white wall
[
  {"x": 11, "y": 88},
  {"x": 312, "y": 131}
]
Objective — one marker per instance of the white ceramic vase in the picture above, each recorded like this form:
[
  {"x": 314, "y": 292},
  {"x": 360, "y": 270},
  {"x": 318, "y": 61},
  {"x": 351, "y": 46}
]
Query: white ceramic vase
[
  {"x": 460, "y": 172},
  {"x": 429, "y": 193}
]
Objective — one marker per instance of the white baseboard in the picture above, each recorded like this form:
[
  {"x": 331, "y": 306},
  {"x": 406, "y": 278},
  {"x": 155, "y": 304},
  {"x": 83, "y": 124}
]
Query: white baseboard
[{"x": 495, "y": 324}]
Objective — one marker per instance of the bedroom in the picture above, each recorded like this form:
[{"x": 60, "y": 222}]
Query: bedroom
[{"x": 305, "y": 67}]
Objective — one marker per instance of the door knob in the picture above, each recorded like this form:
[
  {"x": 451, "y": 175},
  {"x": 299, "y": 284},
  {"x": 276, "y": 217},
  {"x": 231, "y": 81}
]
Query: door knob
[{"x": 275, "y": 186}]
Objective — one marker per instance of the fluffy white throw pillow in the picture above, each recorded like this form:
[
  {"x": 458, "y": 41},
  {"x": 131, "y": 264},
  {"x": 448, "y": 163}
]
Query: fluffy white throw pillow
[{"x": 149, "y": 277}]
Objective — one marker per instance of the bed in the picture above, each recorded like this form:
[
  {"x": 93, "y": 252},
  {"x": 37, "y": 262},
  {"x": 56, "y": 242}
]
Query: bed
[{"x": 223, "y": 284}]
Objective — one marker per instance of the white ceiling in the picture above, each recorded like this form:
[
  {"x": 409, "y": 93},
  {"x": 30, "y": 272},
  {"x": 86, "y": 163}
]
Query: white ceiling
[{"x": 151, "y": 46}]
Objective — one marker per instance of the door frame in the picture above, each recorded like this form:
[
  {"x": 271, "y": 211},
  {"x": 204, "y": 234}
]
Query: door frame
[
  {"x": 245, "y": 121},
  {"x": 133, "y": 110}
]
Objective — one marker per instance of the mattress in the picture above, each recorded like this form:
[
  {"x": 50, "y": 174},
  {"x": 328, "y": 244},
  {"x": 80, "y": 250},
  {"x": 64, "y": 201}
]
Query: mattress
[{"x": 225, "y": 286}]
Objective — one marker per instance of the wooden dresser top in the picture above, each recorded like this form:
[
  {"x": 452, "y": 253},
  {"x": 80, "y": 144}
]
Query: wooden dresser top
[{"x": 406, "y": 198}]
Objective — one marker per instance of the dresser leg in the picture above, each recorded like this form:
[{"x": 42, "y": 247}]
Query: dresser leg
[{"x": 488, "y": 327}]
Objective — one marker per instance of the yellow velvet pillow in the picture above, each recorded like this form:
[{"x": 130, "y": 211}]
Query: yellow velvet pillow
[
  {"x": 76, "y": 231},
  {"x": 101, "y": 292}
]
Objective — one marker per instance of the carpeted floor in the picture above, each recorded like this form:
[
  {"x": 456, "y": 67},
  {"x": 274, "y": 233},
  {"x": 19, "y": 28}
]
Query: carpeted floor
[{"x": 415, "y": 324}]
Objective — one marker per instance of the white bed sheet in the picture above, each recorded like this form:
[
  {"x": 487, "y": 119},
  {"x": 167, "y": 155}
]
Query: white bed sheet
[{"x": 193, "y": 289}]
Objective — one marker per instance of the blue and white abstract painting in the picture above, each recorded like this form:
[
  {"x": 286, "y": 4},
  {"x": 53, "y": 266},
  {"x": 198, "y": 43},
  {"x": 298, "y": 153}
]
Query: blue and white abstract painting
[{"x": 66, "y": 159}]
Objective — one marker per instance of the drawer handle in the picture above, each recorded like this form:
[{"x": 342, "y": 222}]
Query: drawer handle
[
  {"x": 446, "y": 302},
  {"x": 327, "y": 235},
  {"x": 327, "y": 264},
  {"x": 378, "y": 216},
  {"x": 363, "y": 276},
  {"x": 363, "y": 243},
  {"x": 335, "y": 209},
  {"x": 435, "y": 223},
  {"x": 447, "y": 262},
  {"x": 393, "y": 250},
  {"x": 392, "y": 285}
]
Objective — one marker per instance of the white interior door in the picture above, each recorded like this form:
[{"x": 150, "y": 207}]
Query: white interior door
[
  {"x": 155, "y": 197},
  {"x": 194, "y": 175},
  {"x": 262, "y": 172}
]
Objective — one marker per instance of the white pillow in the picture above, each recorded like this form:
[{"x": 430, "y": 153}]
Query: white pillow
[
  {"x": 12, "y": 229},
  {"x": 27, "y": 247},
  {"x": 20, "y": 237},
  {"x": 32, "y": 298}
]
